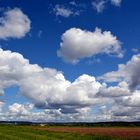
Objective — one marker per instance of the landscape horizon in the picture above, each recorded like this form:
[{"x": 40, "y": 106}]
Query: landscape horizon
[{"x": 69, "y": 69}]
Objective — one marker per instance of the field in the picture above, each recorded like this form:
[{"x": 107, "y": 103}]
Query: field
[{"x": 16, "y": 132}]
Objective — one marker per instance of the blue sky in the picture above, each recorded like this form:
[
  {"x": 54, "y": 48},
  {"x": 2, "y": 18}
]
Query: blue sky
[
  {"x": 62, "y": 58},
  {"x": 121, "y": 21}
]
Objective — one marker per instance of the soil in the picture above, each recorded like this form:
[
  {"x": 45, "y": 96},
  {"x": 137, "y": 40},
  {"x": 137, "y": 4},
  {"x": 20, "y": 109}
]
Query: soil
[{"x": 99, "y": 131}]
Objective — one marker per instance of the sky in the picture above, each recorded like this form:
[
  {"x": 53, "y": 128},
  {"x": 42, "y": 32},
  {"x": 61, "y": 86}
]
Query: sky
[{"x": 69, "y": 60}]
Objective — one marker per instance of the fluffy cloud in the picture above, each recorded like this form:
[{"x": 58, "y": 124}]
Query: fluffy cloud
[
  {"x": 50, "y": 89},
  {"x": 115, "y": 91},
  {"x": 57, "y": 99},
  {"x": 133, "y": 100},
  {"x": 25, "y": 112},
  {"x": 128, "y": 72},
  {"x": 19, "y": 109},
  {"x": 124, "y": 108},
  {"x": 77, "y": 44},
  {"x": 126, "y": 95},
  {"x": 14, "y": 24}
]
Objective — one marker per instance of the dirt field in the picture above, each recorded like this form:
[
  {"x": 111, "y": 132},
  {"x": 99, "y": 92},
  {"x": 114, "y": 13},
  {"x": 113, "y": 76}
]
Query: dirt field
[{"x": 126, "y": 132}]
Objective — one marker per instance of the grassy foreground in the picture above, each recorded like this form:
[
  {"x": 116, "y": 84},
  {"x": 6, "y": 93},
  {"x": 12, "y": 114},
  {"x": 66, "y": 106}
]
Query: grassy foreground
[{"x": 11, "y": 132}]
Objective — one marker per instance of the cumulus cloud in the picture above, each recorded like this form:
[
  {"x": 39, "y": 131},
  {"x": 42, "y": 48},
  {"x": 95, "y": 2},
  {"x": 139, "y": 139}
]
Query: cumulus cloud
[
  {"x": 78, "y": 44},
  {"x": 128, "y": 72},
  {"x": 125, "y": 108},
  {"x": 50, "y": 89},
  {"x": 58, "y": 99},
  {"x": 19, "y": 109},
  {"x": 115, "y": 91},
  {"x": 25, "y": 112},
  {"x": 133, "y": 100},
  {"x": 14, "y": 24},
  {"x": 125, "y": 95}
]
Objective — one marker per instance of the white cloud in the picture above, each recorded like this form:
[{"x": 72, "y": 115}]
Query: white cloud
[
  {"x": 133, "y": 100},
  {"x": 115, "y": 91},
  {"x": 128, "y": 72},
  {"x": 14, "y": 24},
  {"x": 126, "y": 95},
  {"x": 25, "y": 112},
  {"x": 99, "y": 5},
  {"x": 122, "y": 108},
  {"x": 50, "y": 89},
  {"x": 19, "y": 109},
  {"x": 116, "y": 2},
  {"x": 77, "y": 44},
  {"x": 60, "y": 99}
]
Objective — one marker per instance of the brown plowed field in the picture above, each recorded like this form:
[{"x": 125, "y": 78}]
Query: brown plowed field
[{"x": 125, "y": 132}]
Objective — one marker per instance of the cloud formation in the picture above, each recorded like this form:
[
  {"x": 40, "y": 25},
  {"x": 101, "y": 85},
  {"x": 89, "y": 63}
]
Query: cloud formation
[
  {"x": 50, "y": 89},
  {"x": 14, "y": 24},
  {"x": 126, "y": 72},
  {"x": 78, "y": 44},
  {"x": 60, "y": 99},
  {"x": 20, "y": 109}
]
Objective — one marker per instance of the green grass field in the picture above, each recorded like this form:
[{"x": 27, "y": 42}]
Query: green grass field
[{"x": 12, "y": 132}]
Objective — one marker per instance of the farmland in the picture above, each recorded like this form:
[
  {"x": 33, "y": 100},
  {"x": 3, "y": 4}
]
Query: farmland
[{"x": 25, "y": 132}]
